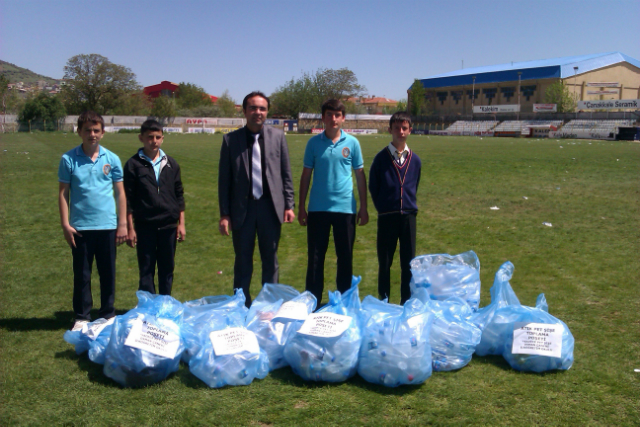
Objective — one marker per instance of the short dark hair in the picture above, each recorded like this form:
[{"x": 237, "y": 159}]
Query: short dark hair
[
  {"x": 334, "y": 105},
  {"x": 252, "y": 95},
  {"x": 150, "y": 125},
  {"x": 90, "y": 117},
  {"x": 400, "y": 117}
]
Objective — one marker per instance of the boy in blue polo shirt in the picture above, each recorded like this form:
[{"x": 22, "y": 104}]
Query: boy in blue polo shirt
[
  {"x": 393, "y": 183},
  {"x": 89, "y": 177},
  {"x": 155, "y": 198},
  {"x": 330, "y": 157}
]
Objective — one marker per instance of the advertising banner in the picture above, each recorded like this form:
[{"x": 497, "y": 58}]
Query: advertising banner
[
  {"x": 545, "y": 108},
  {"x": 493, "y": 109},
  {"x": 610, "y": 104},
  {"x": 117, "y": 128},
  {"x": 582, "y": 134},
  {"x": 351, "y": 131},
  {"x": 603, "y": 84},
  {"x": 603, "y": 92},
  {"x": 201, "y": 130}
]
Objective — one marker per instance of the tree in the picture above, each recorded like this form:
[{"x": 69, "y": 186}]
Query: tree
[
  {"x": 42, "y": 107},
  {"x": 402, "y": 105},
  {"x": 164, "y": 108},
  {"x": 10, "y": 99},
  {"x": 417, "y": 101},
  {"x": 189, "y": 95},
  {"x": 133, "y": 104},
  {"x": 560, "y": 95},
  {"x": 226, "y": 105},
  {"x": 307, "y": 93},
  {"x": 96, "y": 84}
]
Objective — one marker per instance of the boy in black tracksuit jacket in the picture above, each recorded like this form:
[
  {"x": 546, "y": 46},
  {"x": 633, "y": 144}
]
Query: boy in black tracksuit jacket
[
  {"x": 155, "y": 218},
  {"x": 393, "y": 184}
]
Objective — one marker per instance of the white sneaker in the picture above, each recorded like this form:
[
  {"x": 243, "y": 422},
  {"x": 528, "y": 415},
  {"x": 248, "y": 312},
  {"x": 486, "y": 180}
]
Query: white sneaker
[{"x": 78, "y": 325}]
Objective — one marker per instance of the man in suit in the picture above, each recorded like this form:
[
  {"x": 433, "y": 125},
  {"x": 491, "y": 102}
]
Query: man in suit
[{"x": 255, "y": 192}]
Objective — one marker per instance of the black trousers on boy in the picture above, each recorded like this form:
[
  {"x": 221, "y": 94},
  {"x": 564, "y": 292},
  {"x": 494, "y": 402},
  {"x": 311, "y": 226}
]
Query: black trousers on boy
[
  {"x": 344, "y": 235},
  {"x": 156, "y": 246},
  {"x": 391, "y": 228},
  {"x": 101, "y": 245}
]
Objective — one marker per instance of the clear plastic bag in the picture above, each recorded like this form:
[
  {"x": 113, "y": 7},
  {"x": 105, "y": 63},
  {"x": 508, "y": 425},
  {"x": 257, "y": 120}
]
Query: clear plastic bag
[
  {"x": 93, "y": 337},
  {"x": 502, "y": 295},
  {"x": 146, "y": 344},
  {"x": 227, "y": 352},
  {"x": 395, "y": 347},
  {"x": 327, "y": 345},
  {"x": 277, "y": 312},
  {"x": 447, "y": 276}
]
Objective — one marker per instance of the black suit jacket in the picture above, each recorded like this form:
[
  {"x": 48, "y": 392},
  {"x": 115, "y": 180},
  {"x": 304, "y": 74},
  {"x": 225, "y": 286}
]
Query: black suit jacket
[{"x": 234, "y": 181}]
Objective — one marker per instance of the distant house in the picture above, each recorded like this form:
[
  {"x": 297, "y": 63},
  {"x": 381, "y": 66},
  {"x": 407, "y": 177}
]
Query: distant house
[
  {"x": 374, "y": 104},
  {"x": 166, "y": 88}
]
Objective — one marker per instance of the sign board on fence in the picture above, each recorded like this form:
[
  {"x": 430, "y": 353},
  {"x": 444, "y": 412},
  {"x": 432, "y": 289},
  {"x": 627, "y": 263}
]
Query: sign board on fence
[
  {"x": 172, "y": 130},
  {"x": 603, "y": 92},
  {"x": 610, "y": 104},
  {"x": 202, "y": 130},
  {"x": 351, "y": 131},
  {"x": 325, "y": 325},
  {"x": 603, "y": 84},
  {"x": 545, "y": 108},
  {"x": 493, "y": 109},
  {"x": 582, "y": 134},
  {"x": 153, "y": 338},
  {"x": 117, "y": 128},
  {"x": 537, "y": 338}
]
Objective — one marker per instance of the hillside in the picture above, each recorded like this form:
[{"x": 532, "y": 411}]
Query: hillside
[{"x": 19, "y": 74}]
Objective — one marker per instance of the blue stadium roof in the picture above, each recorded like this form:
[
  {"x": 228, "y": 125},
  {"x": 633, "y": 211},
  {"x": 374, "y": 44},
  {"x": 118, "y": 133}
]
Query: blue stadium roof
[{"x": 531, "y": 70}]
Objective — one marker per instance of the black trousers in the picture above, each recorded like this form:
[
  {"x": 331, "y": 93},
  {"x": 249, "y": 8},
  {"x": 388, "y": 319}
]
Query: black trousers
[
  {"x": 156, "y": 247},
  {"x": 261, "y": 220},
  {"x": 391, "y": 228},
  {"x": 101, "y": 245},
  {"x": 344, "y": 235}
]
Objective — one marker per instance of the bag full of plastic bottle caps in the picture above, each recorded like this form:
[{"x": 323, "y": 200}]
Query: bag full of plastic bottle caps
[
  {"x": 146, "y": 344},
  {"x": 198, "y": 312},
  {"x": 395, "y": 347},
  {"x": 277, "y": 312},
  {"x": 326, "y": 347},
  {"x": 502, "y": 295},
  {"x": 448, "y": 276},
  {"x": 529, "y": 338},
  {"x": 453, "y": 336},
  {"x": 229, "y": 353},
  {"x": 92, "y": 337}
]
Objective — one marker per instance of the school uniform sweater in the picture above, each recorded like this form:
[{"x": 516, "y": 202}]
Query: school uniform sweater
[{"x": 394, "y": 187}]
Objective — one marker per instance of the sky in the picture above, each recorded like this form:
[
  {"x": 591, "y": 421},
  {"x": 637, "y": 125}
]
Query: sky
[{"x": 246, "y": 45}]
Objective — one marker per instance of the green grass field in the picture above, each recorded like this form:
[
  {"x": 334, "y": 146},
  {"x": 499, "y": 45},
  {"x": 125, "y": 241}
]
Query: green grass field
[{"x": 587, "y": 264}]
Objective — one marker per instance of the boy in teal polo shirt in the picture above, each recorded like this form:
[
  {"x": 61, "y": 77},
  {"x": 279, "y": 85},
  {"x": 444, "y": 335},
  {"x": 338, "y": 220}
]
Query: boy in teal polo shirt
[
  {"x": 89, "y": 177},
  {"x": 330, "y": 157}
]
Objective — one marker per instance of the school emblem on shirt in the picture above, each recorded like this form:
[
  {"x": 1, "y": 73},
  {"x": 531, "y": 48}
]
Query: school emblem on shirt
[
  {"x": 346, "y": 152},
  {"x": 106, "y": 169}
]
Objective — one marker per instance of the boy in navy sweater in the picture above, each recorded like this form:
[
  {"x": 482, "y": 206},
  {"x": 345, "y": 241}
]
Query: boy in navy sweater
[
  {"x": 393, "y": 184},
  {"x": 156, "y": 209}
]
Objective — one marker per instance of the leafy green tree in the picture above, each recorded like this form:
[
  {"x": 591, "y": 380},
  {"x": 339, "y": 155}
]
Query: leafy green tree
[
  {"x": 417, "y": 101},
  {"x": 10, "y": 99},
  {"x": 402, "y": 105},
  {"x": 42, "y": 107},
  {"x": 189, "y": 95},
  {"x": 133, "y": 104},
  {"x": 307, "y": 93},
  {"x": 164, "y": 108},
  {"x": 96, "y": 84},
  {"x": 226, "y": 105},
  {"x": 560, "y": 95}
]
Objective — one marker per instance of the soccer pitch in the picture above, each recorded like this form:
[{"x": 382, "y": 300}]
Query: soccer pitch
[{"x": 587, "y": 264}]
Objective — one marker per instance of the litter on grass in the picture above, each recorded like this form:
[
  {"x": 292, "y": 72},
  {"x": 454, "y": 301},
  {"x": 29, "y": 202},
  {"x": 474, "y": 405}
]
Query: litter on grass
[{"x": 548, "y": 224}]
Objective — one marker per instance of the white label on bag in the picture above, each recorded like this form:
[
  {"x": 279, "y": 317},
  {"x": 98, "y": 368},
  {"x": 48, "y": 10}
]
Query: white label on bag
[
  {"x": 415, "y": 321},
  {"x": 537, "y": 338},
  {"x": 149, "y": 337},
  {"x": 292, "y": 310},
  {"x": 233, "y": 340},
  {"x": 325, "y": 325},
  {"x": 96, "y": 327}
]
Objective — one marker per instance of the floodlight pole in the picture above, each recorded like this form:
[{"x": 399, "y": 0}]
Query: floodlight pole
[
  {"x": 575, "y": 79},
  {"x": 519, "y": 81},
  {"x": 473, "y": 95}
]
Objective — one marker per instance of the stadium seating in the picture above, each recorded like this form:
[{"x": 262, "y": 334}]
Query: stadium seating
[
  {"x": 519, "y": 125},
  {"x": 463, "y": 127},
  {"x": 609, "y": 126}
]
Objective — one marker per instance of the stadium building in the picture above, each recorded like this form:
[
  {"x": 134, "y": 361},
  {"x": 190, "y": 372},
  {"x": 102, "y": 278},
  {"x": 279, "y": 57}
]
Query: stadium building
[{"x": 601, "y": 76}]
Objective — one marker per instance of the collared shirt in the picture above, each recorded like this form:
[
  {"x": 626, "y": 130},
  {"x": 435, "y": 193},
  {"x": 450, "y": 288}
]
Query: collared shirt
[
  {"x": 250, "y": 142},
  {"x": 403, "y": 154},
  {"x": 332, "y": 164},
  {"x": 91, "y": 202},
  {"x": 157, "y": 164}
]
